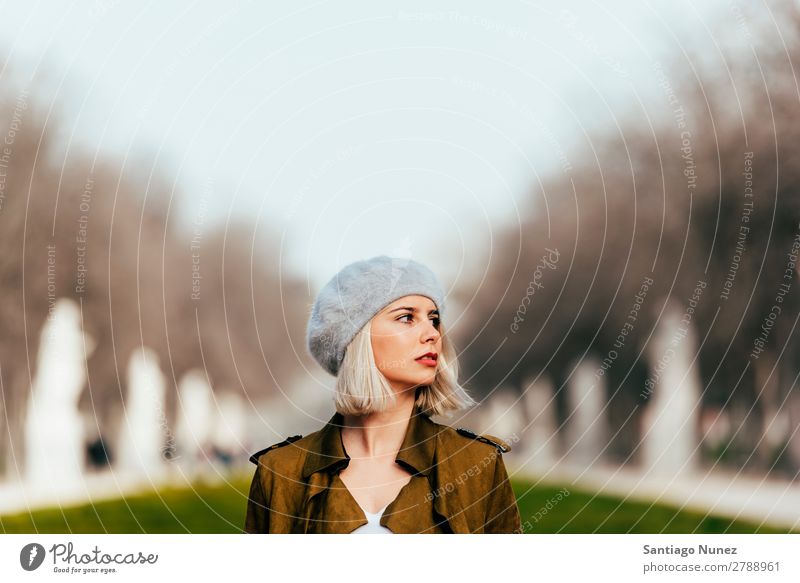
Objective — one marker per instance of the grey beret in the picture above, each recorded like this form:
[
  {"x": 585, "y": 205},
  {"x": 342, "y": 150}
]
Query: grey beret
[{"x": 358, "y": 292}]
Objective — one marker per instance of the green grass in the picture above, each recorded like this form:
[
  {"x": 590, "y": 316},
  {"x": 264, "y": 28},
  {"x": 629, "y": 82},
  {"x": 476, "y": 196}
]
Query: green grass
[
  {"x": 201, "y": 509},
  {"x": 220, "y": 509},
  {"x": 584, "y": 512}
]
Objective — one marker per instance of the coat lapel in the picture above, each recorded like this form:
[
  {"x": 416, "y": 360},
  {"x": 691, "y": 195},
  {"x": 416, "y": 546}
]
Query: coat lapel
[
  {"x": 325, "y": 452},
  {"x": 318, "y": 482},
  {"x": 418, "y": 454},
  {"x": 446, "y": 501},
  {"x": 327, "y": 449}
]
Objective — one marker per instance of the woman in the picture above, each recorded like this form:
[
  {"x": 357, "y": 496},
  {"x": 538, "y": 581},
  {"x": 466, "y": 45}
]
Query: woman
[{"x": 381, "y": 464}]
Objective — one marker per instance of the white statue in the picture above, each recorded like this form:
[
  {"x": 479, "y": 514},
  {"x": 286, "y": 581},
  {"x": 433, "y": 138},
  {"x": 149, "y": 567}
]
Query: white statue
[
  {"x": 586, "y": 428},
  {"x": 670, "y": 421},
  {"x": 143, "y": 428},
  {"x": 195, "y": 416},
  {"x": 539, "y": 438},
  {"x": 54, "y": 431}
]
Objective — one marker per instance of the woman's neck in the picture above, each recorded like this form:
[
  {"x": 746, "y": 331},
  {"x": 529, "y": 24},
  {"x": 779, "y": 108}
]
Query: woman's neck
[{"x": 379, "y": 434}]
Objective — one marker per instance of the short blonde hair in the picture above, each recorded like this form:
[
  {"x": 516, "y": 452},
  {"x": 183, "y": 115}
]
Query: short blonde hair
[{"x": 362, "y": 389}]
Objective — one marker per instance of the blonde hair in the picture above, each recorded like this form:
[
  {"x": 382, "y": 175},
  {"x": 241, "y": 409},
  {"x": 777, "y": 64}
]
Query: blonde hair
[{"x": 362, "y": 389}]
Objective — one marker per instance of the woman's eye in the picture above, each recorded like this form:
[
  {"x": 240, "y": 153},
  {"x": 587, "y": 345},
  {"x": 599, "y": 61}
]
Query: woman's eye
[{"x": 411, "y": 319}]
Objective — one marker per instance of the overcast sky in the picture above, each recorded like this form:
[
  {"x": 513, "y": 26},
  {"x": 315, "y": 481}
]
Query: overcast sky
[{"x": 352, "y": 128}]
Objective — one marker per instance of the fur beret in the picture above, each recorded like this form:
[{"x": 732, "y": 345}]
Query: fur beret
[{"x": 358, "y": 292}]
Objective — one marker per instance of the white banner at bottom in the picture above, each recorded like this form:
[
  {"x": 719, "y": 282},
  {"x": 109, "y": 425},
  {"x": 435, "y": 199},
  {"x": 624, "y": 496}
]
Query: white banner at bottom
[{"x": 230, "y": 558}]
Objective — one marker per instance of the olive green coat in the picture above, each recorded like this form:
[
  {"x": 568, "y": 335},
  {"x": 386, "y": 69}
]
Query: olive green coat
[{"x": 459, "y": 484}]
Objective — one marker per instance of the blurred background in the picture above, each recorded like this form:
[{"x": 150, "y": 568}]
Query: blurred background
[{"x": 609, "y": 193}]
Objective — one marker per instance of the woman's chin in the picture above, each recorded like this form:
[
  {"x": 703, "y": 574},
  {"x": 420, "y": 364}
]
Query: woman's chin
[
  {"x": 423, "y": 381},
  {"x": 415, "y": 383}
]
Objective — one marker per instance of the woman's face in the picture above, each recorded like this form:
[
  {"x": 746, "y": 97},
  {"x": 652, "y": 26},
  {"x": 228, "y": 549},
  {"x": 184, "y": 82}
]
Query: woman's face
[{"x": 402, "y": 332}]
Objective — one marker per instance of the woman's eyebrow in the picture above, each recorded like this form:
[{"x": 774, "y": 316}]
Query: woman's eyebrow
[{"x": 412, "y": 309}]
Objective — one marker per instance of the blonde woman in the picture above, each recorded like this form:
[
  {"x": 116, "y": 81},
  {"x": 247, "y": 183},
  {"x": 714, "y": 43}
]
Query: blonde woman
[{"x": 380, "y": 464}]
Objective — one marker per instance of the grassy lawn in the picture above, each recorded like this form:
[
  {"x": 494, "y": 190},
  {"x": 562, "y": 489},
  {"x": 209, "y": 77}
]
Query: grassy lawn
[
  {"x": 582, "y": 512},
  {"x": 220, "y": 509}
]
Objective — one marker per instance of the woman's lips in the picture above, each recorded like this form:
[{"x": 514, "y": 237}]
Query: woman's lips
[{"x": 427, "y": 361}]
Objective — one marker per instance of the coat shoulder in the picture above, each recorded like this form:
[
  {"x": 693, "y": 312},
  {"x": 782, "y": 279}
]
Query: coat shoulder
[
  {"x": 260, "y": 453},
  {"x": 495, "y": 442}
]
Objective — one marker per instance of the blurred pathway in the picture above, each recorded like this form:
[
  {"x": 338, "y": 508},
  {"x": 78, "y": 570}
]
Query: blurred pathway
[
  {"x": 101, "y": 486},
  {"x": 761, "y": 500}
]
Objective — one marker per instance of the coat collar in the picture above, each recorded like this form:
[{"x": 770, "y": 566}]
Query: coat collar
[{"x": 417, "y": 452}]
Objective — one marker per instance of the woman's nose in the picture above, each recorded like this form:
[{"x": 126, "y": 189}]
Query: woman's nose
[{"x": 430, "y": 331}]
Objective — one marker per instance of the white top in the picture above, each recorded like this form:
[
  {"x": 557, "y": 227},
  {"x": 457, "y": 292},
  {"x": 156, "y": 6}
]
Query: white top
[{"x": 373, "y": 525}]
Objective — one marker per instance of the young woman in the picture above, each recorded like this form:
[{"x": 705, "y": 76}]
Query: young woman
[{"x": 380, "y": 464}]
